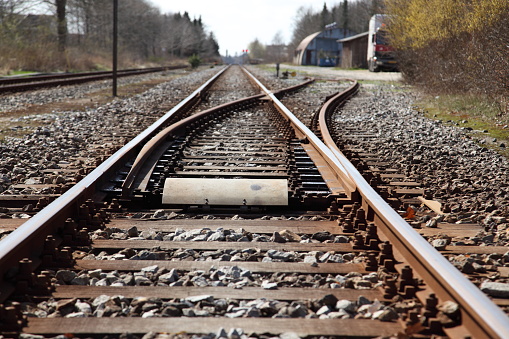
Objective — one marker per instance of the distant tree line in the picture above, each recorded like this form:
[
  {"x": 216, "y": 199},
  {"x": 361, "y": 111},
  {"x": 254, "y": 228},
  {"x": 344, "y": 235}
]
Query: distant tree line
[
  {"x": 350, "y": 15},
  {"x": 453, "y": 45},
  {"x": 77, "y": 34}
]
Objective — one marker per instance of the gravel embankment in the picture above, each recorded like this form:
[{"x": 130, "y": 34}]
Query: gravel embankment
[
  {"x": 471, "y": 181},
  {"x": 70, "y": 135}
]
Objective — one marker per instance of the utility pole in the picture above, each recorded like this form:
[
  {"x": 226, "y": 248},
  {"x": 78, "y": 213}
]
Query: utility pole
[{"x": 115, "y": 42}]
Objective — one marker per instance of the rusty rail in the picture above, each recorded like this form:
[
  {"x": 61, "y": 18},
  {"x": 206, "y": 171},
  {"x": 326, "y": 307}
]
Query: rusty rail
[
  {"x": 28, "y": 83},
  {"x": 30, "y": 236},
  {"x": 481, "y": 317}
]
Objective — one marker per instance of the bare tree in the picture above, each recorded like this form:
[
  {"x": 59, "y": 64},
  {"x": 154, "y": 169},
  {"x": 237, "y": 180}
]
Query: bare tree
[
  {"x": 256, "y": 49},
  {"x": 276, "y": 51},
  {"x": 61, "y": 24},
  {"x": 83, "y": 30},
  {"x": 306, "y": 22},
  {"x": 59, "y": 7},
  {"x": 325, "y": 16},
  {"x": 11, "y": 14}
]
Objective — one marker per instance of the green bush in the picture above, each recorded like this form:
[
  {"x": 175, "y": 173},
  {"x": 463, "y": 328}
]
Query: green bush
[{"x": 194, "y": 60}]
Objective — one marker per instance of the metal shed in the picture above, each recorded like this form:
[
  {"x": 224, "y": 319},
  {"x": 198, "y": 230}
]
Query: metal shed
[
  {"x": 354, "y": 51},
  {"x": 320, "y": 48}
]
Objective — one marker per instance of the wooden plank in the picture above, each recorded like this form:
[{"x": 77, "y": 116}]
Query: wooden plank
[
  {"x": 405, "y": 183},
  {"x": 385, "y": 170},
  {"x": 378, "y": 164},
  {"x": 245, "y": 161},
  {"x": 137, "y": 325},
  {"x": 504, "y": 271},
  {"x": 253, "y": 226},
  {"x": 230, "y": 174},
  {"x": 60, "y": 170},
  {"x": 268, "y": 267},
  {"x": 409, "y": 191},
  {"x": 237, "y": 168},
  {"x": 27, "y": 197},
  {"x": 11, "y": 224},
  {"x": 501, "y": 302},
  {"x": 452, "y": 230},
  {"x": 240, "y": 138},
  {"x": 233, "y": 158},
  {"x": 433, "y": 205},
  {"x": 475, "y": 249},
  {"x": 38, "y": 186},
  {"x": 18, "y": 201},
  {"x": 245, "y": 293},
  {"x": 367, "y": 154},
  {"x": 243, "y": 153},
  {"x": 226, "y": 191},
  {"x": 357, "y": 136},
  {"x": 392, "y": 176},
  {"x": 236, "y": 144},
  {"x": 222, "y": 245}
]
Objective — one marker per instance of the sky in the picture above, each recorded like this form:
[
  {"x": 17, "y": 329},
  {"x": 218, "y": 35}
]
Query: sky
[{"x": 236, "y": 23}]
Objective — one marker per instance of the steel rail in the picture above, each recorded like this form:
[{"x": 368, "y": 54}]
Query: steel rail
[
  {"x": 326, "y": 153},
  {"x": 480, "y": 316},
  {"x": 28, "y": 83},
  {"x": 25, "y": 241},
  {"x": 44, "y": 77}
]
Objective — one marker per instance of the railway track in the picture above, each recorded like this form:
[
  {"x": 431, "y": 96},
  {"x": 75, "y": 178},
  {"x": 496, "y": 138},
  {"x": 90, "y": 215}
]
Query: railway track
[
  {"x": 21, "y": 84},
  {"x": 232, "y": 220}
]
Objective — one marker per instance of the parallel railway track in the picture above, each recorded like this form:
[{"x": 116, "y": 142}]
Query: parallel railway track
[
  {"x": 21, "y": 84},
  {"x": 340, "y": 262}
]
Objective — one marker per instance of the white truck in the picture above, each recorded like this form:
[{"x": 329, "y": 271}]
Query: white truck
[{"x": 380, "y": 53}]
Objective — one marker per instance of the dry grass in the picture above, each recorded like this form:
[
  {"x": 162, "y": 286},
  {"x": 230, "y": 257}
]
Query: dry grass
[
  {"x": 44, "y": 57},
  {"x": 478, "y": 113}
]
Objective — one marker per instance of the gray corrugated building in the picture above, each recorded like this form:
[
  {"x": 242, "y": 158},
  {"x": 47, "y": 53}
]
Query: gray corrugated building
[{"x": 321, "y": 48}]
